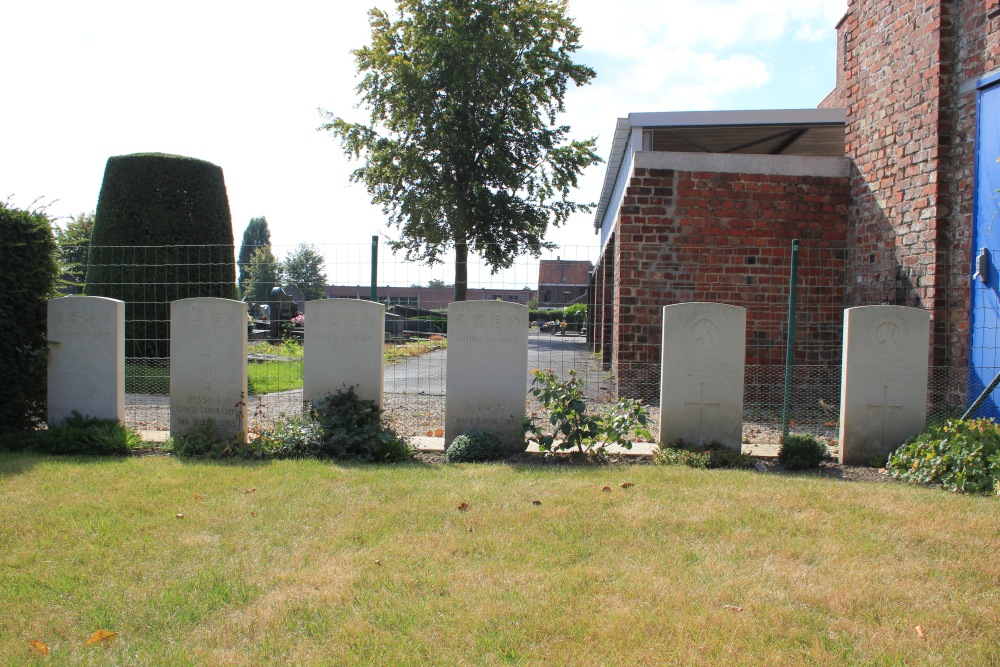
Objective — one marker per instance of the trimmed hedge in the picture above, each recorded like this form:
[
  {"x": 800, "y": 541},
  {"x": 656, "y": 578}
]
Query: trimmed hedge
[
  {"x": 163, "y": 232},
  {"x": 28, "y": 271}
]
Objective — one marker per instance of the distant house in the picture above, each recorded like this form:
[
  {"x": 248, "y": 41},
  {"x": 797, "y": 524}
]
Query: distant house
[
  {"x": 562, "y": 281},
  {"x": 428, "y": 298}
]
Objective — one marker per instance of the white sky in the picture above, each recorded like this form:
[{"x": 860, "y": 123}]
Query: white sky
[{"x": 239, "y": 84}]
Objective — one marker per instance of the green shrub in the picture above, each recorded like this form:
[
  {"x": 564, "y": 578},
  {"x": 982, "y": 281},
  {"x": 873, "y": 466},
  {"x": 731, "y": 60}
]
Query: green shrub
[
  {"x": 353, "y": 428},
  {"x": 297, "y": 437},
  {"x": 802, "y": 451},
  {"x": 201, "y": 442},
  {"x": 712, "y": 455},
  {"x": 76, "y": 435},
  {"x": 476, "y": 445},
  {"x": 28, "y": 272},
  {"x": 572, "y": 427},
  {"x": 162, "y": 232},
  {"x": 960, "y": 455}
]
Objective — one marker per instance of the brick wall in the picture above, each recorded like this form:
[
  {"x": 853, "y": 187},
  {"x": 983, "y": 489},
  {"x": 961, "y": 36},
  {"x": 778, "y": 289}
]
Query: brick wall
[
  {"x": 726, "y": 237},
  {"x": 893, "y": 137},
  {"x": 837, "y": 99},
  {"x": 911, "y": 116}
]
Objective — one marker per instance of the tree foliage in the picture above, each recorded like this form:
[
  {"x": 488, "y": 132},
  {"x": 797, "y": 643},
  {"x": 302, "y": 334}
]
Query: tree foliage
[
  {"x": 162, "y": 232},
  {"x": 74, "y": 246},
  {"x": 304, "y": 268},
  {"x": 256, "y": 235},
  {"x": 263, "y": 273},
  {"x": 28, "y": 271},
  {"x": 463, "y": 149}
]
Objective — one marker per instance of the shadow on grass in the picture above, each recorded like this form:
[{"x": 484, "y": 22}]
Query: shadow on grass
[{"x": 16, "y": 463}]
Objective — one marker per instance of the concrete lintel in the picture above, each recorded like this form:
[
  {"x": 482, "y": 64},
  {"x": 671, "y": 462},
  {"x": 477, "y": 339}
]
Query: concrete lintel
[
  {"x": 754, "y": 117},
  {"x": 771, "y": 165}
]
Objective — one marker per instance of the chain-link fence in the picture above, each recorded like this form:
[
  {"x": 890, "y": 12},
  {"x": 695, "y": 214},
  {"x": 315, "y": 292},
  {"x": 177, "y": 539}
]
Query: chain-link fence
[{"x": 594, "y": 310}]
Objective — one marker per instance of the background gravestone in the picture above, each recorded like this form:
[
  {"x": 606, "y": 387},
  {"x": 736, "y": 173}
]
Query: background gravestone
[
  {"x": 486, "y": 380},
  {"x": 344, "y": 346},
  {"x": 883, "y": 388},
  {"x": 86, "y": 358},
  {"x": 701, "y": 376},
  {"x": 208, "y": 366}
]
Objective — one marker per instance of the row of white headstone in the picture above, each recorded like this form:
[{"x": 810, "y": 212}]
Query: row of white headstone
[{"x": 883, "y": 388}]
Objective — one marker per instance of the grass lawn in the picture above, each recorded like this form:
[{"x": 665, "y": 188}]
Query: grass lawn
[
  {"x": 153, "y": 377},
  {"x": 374, "y": 565}
]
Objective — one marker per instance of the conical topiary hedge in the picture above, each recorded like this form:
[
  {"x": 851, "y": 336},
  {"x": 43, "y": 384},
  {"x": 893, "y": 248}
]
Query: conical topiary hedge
[{"x": 162, "y": 232}]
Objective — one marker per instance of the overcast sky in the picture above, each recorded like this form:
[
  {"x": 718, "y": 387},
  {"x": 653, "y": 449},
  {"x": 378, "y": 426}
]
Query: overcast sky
[{"x": 239, "y": 84}]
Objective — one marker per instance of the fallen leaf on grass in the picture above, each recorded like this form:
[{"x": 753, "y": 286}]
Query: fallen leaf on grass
[
  {"x": 38, "y": 647},
  {"x": 626, "y": 485},
  {"x": 378, "y": 562},
  {"x": 100, "y": 636},
  {"x": 470, "y": 529},
  {"x": 463, "y": 507},
  {"x": 253, "y": 490},
  {"x": 180, "y": 516},
  {"x": 198, "y": 498},
  {"x": 536, "y": 502},
  {"x": 920, "y": 632},
  {"x": 253, "y": 514},
  {"x": 733, "y": 607},
  {"x": 606, "y": 489}
]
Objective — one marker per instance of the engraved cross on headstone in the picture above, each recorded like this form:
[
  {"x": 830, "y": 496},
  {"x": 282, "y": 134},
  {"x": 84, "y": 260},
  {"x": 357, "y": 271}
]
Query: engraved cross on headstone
[
  {"x": 884, "y": 407},
  {"x": 701, "y": 405}
]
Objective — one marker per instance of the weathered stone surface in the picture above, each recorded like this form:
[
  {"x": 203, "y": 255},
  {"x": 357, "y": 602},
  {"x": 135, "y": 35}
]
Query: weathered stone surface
[
  {"x": 344, "y": 347},
  {"x": 883, "y": 389},
  {"x": 208, "y": 366},
  {"x": 86, "y": 358},
  {"x": 701, "y": 376},
  {"x": 486, "y": 383}
]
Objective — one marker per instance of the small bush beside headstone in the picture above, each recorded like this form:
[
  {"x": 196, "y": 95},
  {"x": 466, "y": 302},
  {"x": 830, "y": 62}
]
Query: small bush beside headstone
[
  {"x": 339, "y": 426},
  {"x": 802, "y": 451},
  {"x": 572, "y": 427},
  {"x": 476, "y": 445},
  {"x": 712, "y": 455},
  {"x": 962, "y": 455},
  {"x": 76, "y": 435}
]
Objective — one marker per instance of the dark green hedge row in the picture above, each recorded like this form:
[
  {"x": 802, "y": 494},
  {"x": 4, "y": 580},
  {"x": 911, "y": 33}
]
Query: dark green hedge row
[
  {"x": 28, "y": 273},
  {"x": 163, "y": 232}
]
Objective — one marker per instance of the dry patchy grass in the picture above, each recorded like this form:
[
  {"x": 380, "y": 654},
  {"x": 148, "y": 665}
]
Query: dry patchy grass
[{"x": 374, "y": 565}]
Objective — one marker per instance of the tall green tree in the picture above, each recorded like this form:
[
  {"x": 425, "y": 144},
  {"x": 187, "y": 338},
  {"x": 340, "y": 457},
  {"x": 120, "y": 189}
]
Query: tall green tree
[
  {"x": 162, "y": 232},
  {"x": 28, "y": 271},
  {"x": 256, "y": 235},
  {"x": 304, "y": 267},
  {"x": 463, "y": 149},
  {"x": 73, "y": 240},
  {"x": 263, "y": 273}
]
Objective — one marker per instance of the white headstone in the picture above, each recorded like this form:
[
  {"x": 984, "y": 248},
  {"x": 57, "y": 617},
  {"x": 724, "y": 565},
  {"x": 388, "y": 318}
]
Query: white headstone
[
  {"x": 208, "y": 366},
  {"x": 701, "y": 376},
  {"x": 344, "y": 347},
  {"x": 486, "y": 382},
  {"x": 86, "y": 358},
  {"x": 883, "y": 387}
]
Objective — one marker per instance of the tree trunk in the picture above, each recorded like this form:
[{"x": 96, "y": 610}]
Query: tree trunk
[{"x": 461, "y": 269}]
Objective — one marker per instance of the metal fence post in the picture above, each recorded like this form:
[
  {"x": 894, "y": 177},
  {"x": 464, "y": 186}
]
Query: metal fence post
[
  {"x": 793, "y": 281},
  {"x": 374, "y": 292}
]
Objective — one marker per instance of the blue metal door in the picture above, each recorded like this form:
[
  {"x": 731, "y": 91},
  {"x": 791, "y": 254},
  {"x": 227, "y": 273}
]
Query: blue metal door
[{"x": 984, "y": 361}]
